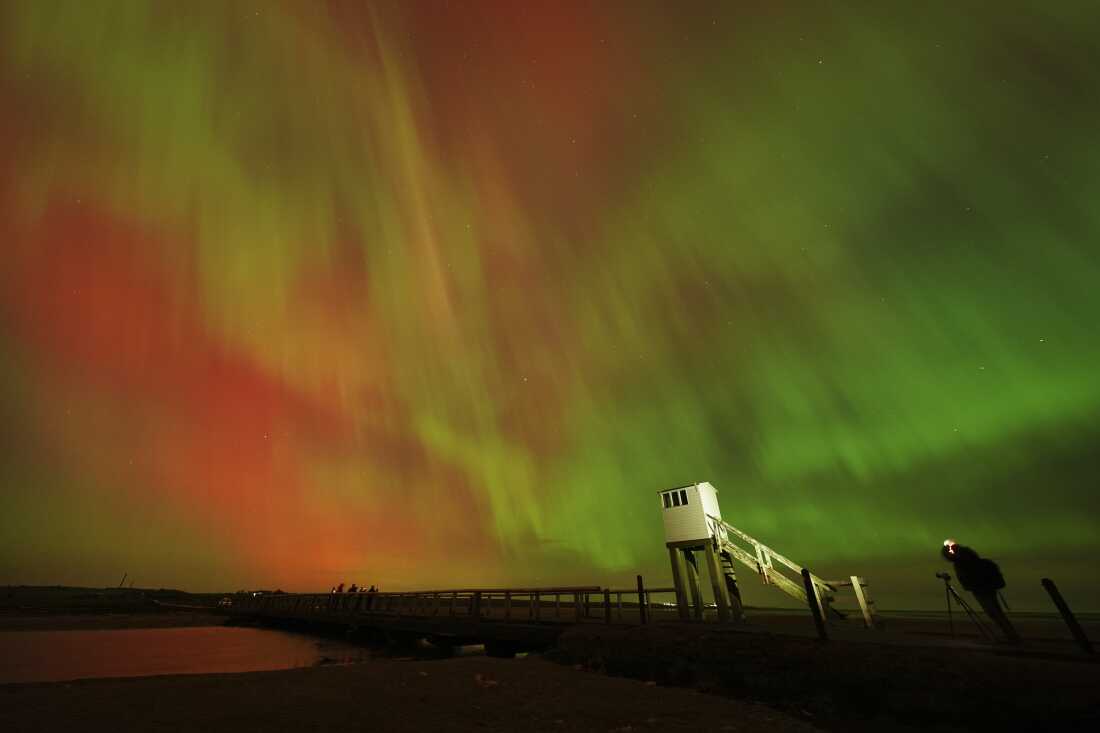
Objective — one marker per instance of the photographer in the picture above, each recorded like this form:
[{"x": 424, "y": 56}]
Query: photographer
[{"x": 983, "y": 578}]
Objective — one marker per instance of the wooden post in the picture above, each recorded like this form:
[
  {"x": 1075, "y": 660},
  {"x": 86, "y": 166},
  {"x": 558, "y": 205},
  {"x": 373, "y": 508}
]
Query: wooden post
[
  {"x": 1068, "y": 617},
  {"x": 577, "y": 609},
  {"x": 642, "y": 615},
  {"x": 476, "y": 611},
  {"x": 857, "y": 588},
  {"x": 676, "y": 559},
  {"x": 607, "y": 605},
  {"x": 824, "y": 601},
  {"x": 718, "y": 584},
  {"x": 619, "y": 604},
  {"x": 815, "y": 609},
  {"x": 507, "y": 605},
  {"x": 538, "y": 605},
  {"x": 692, "y": 567}
]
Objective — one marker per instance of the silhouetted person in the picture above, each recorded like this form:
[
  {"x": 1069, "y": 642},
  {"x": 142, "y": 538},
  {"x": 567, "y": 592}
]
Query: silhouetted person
[
  {"x": 982, "y": 578},
  {"x": 340, "y": 588},
  {"x": 353, "y": 589}
]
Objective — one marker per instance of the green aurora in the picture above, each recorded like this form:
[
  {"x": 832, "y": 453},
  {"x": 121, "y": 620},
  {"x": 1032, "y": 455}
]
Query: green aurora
[{"x": 433, "y": 295}]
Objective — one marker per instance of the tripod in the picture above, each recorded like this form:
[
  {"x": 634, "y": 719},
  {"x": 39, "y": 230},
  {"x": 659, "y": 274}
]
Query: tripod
[{"x": 949, "y": 592}]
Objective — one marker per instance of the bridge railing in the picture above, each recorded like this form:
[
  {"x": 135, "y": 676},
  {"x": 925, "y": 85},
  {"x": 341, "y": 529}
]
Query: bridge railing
[
  {"x": 628, "y": 606},
  {"x": 565, "y": 604}
]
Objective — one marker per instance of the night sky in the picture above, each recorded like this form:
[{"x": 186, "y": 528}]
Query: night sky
[{"x": 442, "y": 294}]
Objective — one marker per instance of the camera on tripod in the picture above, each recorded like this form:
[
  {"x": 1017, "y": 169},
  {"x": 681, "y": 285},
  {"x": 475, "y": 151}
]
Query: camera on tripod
[{"x": 949, "y": 594}]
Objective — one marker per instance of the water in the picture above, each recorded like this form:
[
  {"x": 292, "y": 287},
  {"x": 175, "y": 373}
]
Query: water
[{"x": 42, "y": 656}]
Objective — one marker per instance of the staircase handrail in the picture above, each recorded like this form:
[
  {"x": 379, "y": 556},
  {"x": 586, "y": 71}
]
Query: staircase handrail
[{"x": 772, "y": 554}]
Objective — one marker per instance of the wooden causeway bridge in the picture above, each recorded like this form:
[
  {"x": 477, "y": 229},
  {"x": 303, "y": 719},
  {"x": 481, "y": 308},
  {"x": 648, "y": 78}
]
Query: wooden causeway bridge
[{"x": 505, "y": 620}]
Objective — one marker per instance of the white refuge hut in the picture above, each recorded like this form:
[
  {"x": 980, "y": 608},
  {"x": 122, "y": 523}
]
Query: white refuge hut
[{"x": 685, "y": 512}]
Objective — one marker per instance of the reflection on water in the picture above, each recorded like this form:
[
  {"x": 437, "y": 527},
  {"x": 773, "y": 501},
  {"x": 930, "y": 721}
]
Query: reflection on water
[{"x": 38, "y": 656}]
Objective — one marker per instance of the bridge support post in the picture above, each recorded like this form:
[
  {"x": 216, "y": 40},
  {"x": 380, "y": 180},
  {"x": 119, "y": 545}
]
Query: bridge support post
[
  {"x": 692, "y": 567},
  {"x": 815, "y": 607},
  {"x": 718, "y": 584},
  {"x": 676, "y": 559}
]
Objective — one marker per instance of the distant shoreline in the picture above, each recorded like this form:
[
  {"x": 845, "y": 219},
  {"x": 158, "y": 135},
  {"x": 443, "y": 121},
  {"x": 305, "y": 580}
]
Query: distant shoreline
[{"x": 108, "y": 621}]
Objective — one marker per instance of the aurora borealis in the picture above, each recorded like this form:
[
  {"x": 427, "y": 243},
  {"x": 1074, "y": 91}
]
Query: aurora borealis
[{"x": 433, "y": 294}]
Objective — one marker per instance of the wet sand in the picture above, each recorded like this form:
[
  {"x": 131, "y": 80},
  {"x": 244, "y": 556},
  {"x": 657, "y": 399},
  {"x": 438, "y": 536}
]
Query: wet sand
[{"x": 462, "y": 694}]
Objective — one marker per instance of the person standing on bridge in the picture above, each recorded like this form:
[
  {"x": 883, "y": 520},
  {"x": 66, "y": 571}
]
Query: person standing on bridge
[{"x": 983, "y": 579}]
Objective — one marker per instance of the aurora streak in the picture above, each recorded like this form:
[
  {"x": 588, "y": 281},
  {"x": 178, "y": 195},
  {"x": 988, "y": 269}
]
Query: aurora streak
[{"x": 442, "y": 293}]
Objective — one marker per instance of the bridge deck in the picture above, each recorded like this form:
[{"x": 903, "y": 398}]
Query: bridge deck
[{"x": 522, "y": 617}]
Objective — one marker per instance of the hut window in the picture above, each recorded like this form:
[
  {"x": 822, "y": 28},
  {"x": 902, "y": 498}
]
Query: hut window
[
  {"x": 683, "y": 497},
  {"x": 668, "y": 500},
  {"x": 675, "y": 498}
]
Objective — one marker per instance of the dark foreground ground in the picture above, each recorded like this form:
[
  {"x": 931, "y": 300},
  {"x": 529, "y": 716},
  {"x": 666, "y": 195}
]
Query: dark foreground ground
[
  {"x": 630, "y": 681},
  {"x": 770, "y": 675},
  {"x": 855, "y": 685},
  {"x": 462, "y": 694}
]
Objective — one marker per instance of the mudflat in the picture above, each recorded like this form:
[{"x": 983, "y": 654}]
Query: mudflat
[{"x": 461, "y": 694}]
